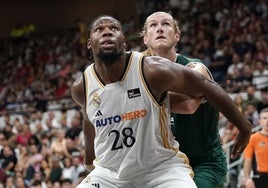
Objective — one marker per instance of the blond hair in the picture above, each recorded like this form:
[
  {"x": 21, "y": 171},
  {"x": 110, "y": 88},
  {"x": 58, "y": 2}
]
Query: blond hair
[{"x": 174, "y": 21}]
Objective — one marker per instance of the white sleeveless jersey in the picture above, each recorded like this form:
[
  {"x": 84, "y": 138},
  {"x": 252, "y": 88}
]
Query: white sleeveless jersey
[{"x": 132, "y": 129}]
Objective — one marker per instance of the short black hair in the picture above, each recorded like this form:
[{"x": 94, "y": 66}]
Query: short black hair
[
  {"x": 36, "y": 182},
  {"x": 89, "y": 28},
  {"x": 66, "y": 180},
  {"x": 94, "y": 20}
]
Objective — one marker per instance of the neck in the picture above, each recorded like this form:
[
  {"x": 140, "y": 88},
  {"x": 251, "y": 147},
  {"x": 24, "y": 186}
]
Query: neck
[
  {"x": 169, "y": 54},
  {"x": 111, "y": 72},
  {"x": 264, "y": 132}
]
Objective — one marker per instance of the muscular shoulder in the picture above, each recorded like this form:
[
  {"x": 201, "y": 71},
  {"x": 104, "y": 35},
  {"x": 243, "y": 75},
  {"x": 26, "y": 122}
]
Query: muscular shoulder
[
  {"x": 156, "y": 67},
  {"x": 161, "y": 74}
]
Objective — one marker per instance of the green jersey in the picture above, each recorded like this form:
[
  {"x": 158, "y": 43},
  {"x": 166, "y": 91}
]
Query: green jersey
[{"x": 198, "y": 133}]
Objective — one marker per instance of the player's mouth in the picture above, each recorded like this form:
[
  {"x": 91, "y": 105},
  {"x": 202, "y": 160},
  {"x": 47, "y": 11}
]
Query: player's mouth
[
  {"x": 107, "y": 44},
  {"x": 160, "y": 37}
]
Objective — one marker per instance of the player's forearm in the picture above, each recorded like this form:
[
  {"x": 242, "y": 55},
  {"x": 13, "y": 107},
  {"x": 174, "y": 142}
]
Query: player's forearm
[
  {"x": 247, "y": 168},
  {"x": 226, "y": 106},
  {"x": 89, "y": 156}
]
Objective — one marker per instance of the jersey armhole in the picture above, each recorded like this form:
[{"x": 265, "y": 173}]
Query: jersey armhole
[
  {"x": 148, "y": 89},
  {"x": 85, "y": 91}
]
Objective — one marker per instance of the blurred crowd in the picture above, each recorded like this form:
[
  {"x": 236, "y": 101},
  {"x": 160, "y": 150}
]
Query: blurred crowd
[{"x": 45, "y": 147}]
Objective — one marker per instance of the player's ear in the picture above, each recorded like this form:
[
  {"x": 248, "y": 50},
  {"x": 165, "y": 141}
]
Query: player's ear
[
  {"x": 145, "y": 40},
  {"x": 88, "y": 44},
  {"x": 177, "y": 36},
  {"x": 125, "y": 43}
]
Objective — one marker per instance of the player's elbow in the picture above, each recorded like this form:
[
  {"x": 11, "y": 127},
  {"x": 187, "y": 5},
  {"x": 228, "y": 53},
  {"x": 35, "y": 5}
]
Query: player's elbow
[{"x": 183, "y": 108}]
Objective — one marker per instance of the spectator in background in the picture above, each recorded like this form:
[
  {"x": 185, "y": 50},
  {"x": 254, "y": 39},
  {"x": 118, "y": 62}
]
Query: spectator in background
[
  {"x": 229, "y": 135},
  {"x": 238, "y": 100},
  {"x": 10, "y": 136},
  {"x": 258, "y": 147},
  {"x": 45, "y": 145},
  {"x": 58, "y": 145},
  {"x": 17, "y": 126},
  {"x": 66, "y": 183},
  {"x": 9, "y": 160},
  {"x": 6, "y": 120},
  {"x": 67, "y": 168},
  {"x": 23, "y": 158},
  {"x": 221, "y": 62},
  {"x": 36, "y": 184},
  {"x": 264, "y": 100},
  {"x": 39, "y": 177},
  {"x": 81, "y": 176},
  {"x": 45, "y": 169},
  {"x": 62, "y": 87},
  {"x": 19, "y": 182},
  {"x": 252, "y": 114},
  {"x": 56, "y": 170},
  {"x": 77, "y": 168},
  {"x": 75, "y": 129},
  {"x": 246, "y": 76},
  {"x": 24, "y": 135},
  {"x": 34, "y": 162},
  {"x": 250, "y": 97},
  {"x": 10, "y": 182},
  {"x": 3, "y": 141},
  {"x": 57, "y": 184},
  {"x": 235, "y": 64},
  {"x": 72, "y": 148},
  {"x": 52, "y": 121},
  {"x": 260, "y": 75}
]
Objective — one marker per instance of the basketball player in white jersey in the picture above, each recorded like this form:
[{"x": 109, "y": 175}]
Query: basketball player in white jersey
[{"x": 123, "y": 97}]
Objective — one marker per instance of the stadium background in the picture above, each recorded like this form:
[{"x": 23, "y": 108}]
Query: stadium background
[
  {"x": 54, "y": 16},
  {"x": 218, "y": 32}
]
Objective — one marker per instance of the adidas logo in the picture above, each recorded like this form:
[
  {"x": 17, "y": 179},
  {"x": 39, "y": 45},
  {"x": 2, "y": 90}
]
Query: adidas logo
[
  {"x": 98, "y": 113},
  {"x": 96, "y": 185}
]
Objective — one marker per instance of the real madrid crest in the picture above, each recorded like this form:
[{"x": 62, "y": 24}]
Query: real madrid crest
[{"x": 96, "y": 100}]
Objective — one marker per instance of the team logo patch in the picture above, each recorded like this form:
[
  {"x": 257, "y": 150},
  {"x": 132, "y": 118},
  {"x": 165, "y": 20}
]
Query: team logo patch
[
  {"x": 132, "y": 93},
  {"x": 96, "y": 100},
  {"x": 262, "y": 143}
]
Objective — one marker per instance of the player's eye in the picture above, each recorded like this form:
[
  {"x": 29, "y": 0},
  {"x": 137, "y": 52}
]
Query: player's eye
[
  {"x": 115, "y": 28},
  {"x": 166, "y": 24},
  {"x": 98, "y": 29},
  {"x": 152, "y": 25}
]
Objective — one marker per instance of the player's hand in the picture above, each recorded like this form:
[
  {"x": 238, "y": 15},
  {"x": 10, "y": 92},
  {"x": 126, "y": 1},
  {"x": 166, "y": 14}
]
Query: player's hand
[
  {"x": 248, "y": 183},
  {"x": 240, "y": 143}
]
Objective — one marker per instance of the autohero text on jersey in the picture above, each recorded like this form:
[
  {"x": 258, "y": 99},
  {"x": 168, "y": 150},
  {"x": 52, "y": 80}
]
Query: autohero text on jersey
[{"x": 123, "y": 117}]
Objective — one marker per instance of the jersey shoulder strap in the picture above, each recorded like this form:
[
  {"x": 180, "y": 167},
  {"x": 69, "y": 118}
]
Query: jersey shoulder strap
[{"x": 183, "y": 60}]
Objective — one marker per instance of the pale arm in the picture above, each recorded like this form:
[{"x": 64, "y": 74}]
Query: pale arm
[
  {"x": 183, "y": 104},
  {"x": 247, "y": 167}
]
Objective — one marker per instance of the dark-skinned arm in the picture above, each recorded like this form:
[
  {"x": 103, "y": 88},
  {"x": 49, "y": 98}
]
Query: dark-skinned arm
[
  {"x": 163, "y": 76},
  {"x": 183, "y": 104},
  {"x": 78, "y": 94}
]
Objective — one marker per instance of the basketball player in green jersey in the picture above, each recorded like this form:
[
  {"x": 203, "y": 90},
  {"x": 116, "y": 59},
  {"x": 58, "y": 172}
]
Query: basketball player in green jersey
[{"x": 197, "y": 133}]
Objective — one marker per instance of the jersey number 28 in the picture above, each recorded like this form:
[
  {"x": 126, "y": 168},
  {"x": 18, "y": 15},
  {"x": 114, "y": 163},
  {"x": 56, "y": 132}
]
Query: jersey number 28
[{"x": 128, "y": 138}]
